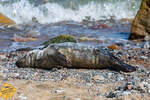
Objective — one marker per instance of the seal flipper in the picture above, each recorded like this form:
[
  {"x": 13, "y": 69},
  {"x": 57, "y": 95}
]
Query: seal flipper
[{"x": 121, "y": 66}]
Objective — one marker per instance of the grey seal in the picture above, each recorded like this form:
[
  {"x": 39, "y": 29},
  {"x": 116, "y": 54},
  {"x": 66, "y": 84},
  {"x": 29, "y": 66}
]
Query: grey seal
[{"x": 73, "y": 55}]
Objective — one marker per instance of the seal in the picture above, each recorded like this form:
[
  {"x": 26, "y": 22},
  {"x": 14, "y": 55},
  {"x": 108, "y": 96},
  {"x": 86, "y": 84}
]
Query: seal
[{"x": 73, "y": 55}]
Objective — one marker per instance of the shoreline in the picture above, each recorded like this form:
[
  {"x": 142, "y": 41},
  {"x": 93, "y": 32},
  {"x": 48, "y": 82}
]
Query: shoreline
[{"x": 100, "y": 84}]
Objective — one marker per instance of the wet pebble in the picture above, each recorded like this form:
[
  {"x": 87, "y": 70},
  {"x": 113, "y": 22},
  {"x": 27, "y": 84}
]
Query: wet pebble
[
  {"x": 98, "y": 78},
  {"x": 78, "y": 99},
  {"x": 146, "y": 45},
  {"x": 22, "y": 97},
  {"x": 59, "y": 91},
  {"x": 144, "y": 57},
  {"x": 129, "y": 86},
  {"x": 119, "y": 78}
]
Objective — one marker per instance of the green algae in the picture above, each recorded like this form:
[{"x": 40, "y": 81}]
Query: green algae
[{"x": 60, "y": 39}]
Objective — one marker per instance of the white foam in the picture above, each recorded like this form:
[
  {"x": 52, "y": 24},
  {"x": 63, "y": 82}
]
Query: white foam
[{"x": 23, "y": 11}]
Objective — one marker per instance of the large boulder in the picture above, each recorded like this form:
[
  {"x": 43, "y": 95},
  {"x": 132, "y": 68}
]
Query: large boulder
[
  {"x": 141, "y": 24},
  {"x": 5, "y": 20}
]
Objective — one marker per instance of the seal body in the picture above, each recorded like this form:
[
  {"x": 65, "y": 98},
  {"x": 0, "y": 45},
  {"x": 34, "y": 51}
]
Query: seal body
[{"x": 73, "y": 55}]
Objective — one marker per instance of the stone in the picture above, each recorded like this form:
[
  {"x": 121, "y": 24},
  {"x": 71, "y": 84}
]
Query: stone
[
  {"x": 22, "y": 39},
  {"x": 146, "y": 45},
  {"x": 130, "y": 20},
  {"x": 102, "y": 26},
  {"x": 119, "y": 78},
  {"x": 112, "y": 95},
  {"x": 98, "y": 78},
  {"x": 60, "y": 39},
  {"x": 141, "y": 24},
  {"x": 59, "y": 91},
  {"x": 113, "y": 47},
  {"x": 89, "y": 39},
  {"x": 129, "y": 86},
  {"x": 78, "y": 99},
  {"x": 149, "y": 91},
  {"x": 5, "y": 20},
  {"x": 144, "y": 57},
  {"x": 22, "y": 97}
]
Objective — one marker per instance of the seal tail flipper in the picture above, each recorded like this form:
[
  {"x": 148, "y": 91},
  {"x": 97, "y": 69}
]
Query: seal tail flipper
[
  {"x": 123, "y": 67},
  {"x": 118, "y": 65}
]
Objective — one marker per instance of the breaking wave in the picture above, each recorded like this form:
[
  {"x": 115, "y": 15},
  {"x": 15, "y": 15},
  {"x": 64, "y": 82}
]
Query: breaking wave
[{"x": 50, "y": 11}]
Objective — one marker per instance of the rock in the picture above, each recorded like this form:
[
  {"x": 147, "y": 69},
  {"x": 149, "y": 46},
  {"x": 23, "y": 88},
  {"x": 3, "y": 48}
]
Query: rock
[
  {"x": 5, "y": 20},
  {"x": 73, "y": 55},
  {"x": 109, "y": 75},
  {"x": 34, "y": 19},
  {"x": 141, "y": 24},
  {"x": 89, "y": 39},
  {"x": 113, "y": 47},
  {"x": 102, "y": 26},
  {"x": 119, "y": 78},
  {"x": 78, "y": 99},
  {"x": 22, "y": 97},
  {"x": 149, "y": 91},
  {"x": 25, "y": 49},
  {"x": 5, "y": 71},
  {"x": 144, "y": 57},
  {"x": 60, "y": 39},
  {"x": 98, "y": 78},
  {"x": 130, "y": 20},
  {"x": 16, "y": 74},
  {"x": 129, "y": 86},
  {"x": 25, "y": 37},
  {"x": 146, "y": 45},
  {"x": 60, "y": 91},
  {"x": 112, "y": 95},
  {"x": 22, "y": 39}
]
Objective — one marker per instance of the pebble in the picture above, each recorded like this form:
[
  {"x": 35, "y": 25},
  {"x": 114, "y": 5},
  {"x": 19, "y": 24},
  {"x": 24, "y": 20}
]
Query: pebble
[
  {"x": 78, "y": 98},
  {"x": 112, "y": 95},
  {"x": 98, "y": 78},
  {"x": 149, "y": 91},
  {"x": 109, "y": 75},
  {"x": 16, "y": 74},
  {"x": 90, "y": 25},
  {"x": 113, "y": 47},
  {"x": 120, "y": 78},
  {"x": 5, "y": 71},
  {"x": 146, "y": 45},
  {"x": 59, "y": 91},
  {"x": 144, "y": 57},
  {"x": 22, "y": 97},
  {"x": 129, "y": 86},
  {"x": 125, "y": 93}
]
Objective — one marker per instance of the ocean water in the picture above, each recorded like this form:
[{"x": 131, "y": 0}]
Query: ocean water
[
  {"x": 46, "y": 19},
  {"x": 51, "y": 11}
]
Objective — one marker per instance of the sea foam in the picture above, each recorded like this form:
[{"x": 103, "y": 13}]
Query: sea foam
[{"x": 23, "y": 11}]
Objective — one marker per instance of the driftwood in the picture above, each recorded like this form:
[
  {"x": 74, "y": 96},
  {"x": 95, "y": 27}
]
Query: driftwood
[{"x": 73, "y": 55}]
